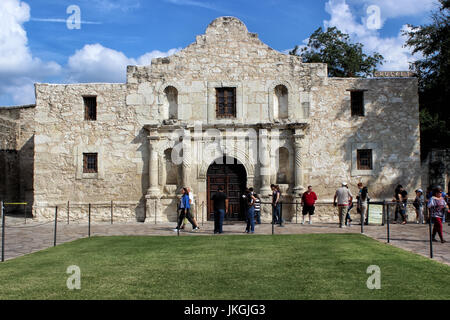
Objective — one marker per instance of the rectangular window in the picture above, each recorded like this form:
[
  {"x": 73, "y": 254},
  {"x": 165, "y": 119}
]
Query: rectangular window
[
  {"x": 90, "y": 108},
  {"x": 90, "y": 163},
  {"x": 364, "y": 159},
  {"x": 225, "y": 102},
  {"x": 357, "y": 103}
]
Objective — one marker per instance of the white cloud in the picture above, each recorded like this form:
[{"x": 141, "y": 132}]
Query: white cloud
[
  {"x": 391, "y": 48},
  {"x": 96, "y": 63},
  {"x": 18, "y": 68},
  {"x": 400, "y": 8}
]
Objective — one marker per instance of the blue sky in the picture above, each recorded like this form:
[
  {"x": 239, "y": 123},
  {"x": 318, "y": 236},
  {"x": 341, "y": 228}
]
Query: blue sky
[{"x": 37, "y": 46}]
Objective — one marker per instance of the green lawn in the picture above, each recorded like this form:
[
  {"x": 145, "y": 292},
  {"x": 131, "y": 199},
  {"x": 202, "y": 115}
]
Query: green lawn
[{"x": 322, "y": 266}]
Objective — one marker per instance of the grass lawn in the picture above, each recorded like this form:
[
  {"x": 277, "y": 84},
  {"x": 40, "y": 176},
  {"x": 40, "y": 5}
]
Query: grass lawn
[{"x": 315, "y": 266}]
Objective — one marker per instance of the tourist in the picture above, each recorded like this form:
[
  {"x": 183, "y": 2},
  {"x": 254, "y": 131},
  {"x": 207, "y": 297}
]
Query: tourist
[
  {"x": 185, "y": 210},
  {"x": 257, "y": 209},
  {"x": 250, "y": 211},
  {"x": 220, "y": 209},
  {"x": 344, "y": 197},
  {"x": 309, "y": 198},
  {"x": 191, "y": 211},
  {"x": 348, "y": 218},
  {"x": 401, "y": 199},
  {"x": 418, "y": 205},
  {"x": 363, "y": 203},
  {"x": 438, "y": 207},
  {"x": 276, "y": 194}
]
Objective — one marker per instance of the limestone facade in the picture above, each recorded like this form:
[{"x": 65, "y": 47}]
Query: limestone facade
[{"x": 286, "y": 112}]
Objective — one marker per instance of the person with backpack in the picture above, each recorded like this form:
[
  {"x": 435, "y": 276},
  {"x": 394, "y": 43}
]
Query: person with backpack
[
  {"x": 250, "y": 211},
  {"x": 401, "y": 198}
]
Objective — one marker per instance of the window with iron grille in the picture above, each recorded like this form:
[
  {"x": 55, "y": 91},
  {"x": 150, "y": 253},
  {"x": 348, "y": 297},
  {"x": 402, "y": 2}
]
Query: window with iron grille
[
  {"x": 364, "y": 159},
  {"x": 225, "y": 102},
  {"x": 357, "y": 103},
  {"x": 90, "y": 163},
  {"x": 90, "y": 108}
]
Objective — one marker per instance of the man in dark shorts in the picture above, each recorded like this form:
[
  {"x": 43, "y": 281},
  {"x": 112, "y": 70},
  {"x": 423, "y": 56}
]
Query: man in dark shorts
[
  {"x": 308, "y": 200},
  {"x": 220, "y": 208}
]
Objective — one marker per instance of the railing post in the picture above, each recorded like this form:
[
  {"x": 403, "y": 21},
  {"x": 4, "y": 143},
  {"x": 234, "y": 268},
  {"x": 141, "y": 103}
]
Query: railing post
[
  {"x": 203, "y": 208},
  {"x": 281, "y": 214},
  {"x": 111, "y": 212},
  {"x": 362, "y": 219},
  {"x": 3, "y": 231},
  {"x": 56, "y": 225},
  {"x": 296, "y": 212},
  {"x": 273, "y": 221},
  {"x": 25, "y": 214},
  {"x": 89, "y": 222},
  {"x": 431, "y": 238},
  {"x": 68, "y": 211},
  {"x": 387, "y": 222},
  {"x": 178, "y": 223}
]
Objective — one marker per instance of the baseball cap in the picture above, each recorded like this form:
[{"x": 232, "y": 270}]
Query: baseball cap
[
  {"x": 419, "y": 190},
  {"x": 344, "y": 183}
]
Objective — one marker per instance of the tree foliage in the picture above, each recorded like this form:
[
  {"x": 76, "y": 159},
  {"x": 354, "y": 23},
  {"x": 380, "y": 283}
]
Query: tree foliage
[
  {"x": 432, "y": 42},
  {"x": 344, "y": 59}
]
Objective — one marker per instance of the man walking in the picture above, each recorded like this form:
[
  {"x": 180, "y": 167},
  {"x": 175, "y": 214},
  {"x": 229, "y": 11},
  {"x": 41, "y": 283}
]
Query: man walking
[
  {"x": 220, "y": 208},
  {"x": 344, "y": 197},
  {"x": 308, "y": 200}
]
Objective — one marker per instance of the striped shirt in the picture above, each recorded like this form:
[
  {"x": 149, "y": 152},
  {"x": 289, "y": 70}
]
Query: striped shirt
[{"x": 257, "y": 204}]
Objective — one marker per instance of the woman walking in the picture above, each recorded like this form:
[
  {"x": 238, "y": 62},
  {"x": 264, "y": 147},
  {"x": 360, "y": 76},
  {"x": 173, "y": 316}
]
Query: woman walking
[
  {"x": 438, "y": 208},
  {"x": 185, "y": 207}
]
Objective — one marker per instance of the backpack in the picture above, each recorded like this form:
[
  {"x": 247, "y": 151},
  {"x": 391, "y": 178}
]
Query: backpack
[{"x": 250, "y": 201}]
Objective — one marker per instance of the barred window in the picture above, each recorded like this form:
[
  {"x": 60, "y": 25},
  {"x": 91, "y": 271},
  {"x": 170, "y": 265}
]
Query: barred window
[
  {"x": 357, "y": 103},
  {"x": 225, "y": 102},
  {"x": 90, "y": 108},
  {"x": 364, "y": 159},
  {"x": 90, "y": 163}
]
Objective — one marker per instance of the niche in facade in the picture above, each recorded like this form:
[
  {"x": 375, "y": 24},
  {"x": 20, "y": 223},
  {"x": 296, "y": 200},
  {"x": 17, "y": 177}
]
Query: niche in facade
[
  {"x": 171, "y": 102},
  {"x": 171, "y": 169},
  {"x": 284, "y": 170},
  {"x": 280, "y": 102}
]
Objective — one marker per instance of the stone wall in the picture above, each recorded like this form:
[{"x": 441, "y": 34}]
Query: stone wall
[
  {"x": 62, "y": 136},
  {"x": 390, "y": 128},
  {"x": 439, "y": 168},
  {"x": 17, "y": 156}
]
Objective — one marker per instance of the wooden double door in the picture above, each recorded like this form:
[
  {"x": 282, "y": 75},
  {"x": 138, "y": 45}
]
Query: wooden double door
[{"x": 233, "y": 178}]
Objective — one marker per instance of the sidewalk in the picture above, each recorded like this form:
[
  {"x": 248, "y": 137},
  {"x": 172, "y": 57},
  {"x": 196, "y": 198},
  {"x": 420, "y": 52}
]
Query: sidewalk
[{"x": 23, "y": 238}]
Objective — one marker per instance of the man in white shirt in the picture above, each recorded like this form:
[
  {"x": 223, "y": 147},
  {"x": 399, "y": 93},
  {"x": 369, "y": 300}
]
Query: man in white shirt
[{"x": 344, "y": 198}]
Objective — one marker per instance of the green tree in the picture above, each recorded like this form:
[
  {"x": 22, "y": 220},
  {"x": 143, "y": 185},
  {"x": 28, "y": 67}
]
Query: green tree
[
  {"x": 432, "y": 42},
  {"x": 344, "y": 59}
]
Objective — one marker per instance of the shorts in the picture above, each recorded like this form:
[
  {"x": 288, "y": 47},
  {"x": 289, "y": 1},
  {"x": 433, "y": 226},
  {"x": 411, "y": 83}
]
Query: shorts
[{"x": 308, "y": 210}]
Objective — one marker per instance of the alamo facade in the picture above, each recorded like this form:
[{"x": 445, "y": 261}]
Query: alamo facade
[{"x": 226, "y": 110}]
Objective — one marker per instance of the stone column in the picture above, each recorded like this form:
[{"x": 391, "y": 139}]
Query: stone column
[
  {"x": 153, "y": 139},
  {"x": 187, "y": 153},
  {"x": 298, "y": 167},
  {"x": 264, "y": 159}
]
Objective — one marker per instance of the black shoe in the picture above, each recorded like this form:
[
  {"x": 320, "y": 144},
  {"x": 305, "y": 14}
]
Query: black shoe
[
  {"x": 434, "y": 240},
  {"x": 443, "y": 241}
]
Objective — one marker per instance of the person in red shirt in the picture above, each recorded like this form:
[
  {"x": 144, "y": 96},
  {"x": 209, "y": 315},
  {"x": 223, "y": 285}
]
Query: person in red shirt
[{"x": 308, "y": 200}]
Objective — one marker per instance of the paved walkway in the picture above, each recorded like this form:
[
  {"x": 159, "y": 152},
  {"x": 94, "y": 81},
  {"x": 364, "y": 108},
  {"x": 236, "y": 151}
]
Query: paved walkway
[{"x": 21, "y": 239}]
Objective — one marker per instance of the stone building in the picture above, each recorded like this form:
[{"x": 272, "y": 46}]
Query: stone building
[{"x": 265, "y": 116}]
